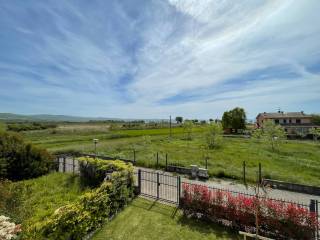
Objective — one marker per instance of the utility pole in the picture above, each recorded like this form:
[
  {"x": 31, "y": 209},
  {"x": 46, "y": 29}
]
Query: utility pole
[{"x": 170, "y": 128}]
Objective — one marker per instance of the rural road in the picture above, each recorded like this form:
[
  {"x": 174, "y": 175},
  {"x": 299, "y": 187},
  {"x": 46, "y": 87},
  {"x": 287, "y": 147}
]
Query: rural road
[{"x": 233, "y": 186}]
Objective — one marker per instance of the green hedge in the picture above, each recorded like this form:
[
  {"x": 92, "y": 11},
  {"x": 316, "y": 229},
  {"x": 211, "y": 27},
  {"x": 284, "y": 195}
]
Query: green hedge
[
  {"x": 74, "y": 221},
  {"x": 94, "y": 171}
]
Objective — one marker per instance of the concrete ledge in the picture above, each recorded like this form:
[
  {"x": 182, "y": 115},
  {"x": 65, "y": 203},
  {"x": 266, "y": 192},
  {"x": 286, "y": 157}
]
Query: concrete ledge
[{"x": 292, "y": 187}]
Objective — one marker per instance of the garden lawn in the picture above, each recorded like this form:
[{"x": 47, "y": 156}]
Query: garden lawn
[{"x": 144, "y": 219}]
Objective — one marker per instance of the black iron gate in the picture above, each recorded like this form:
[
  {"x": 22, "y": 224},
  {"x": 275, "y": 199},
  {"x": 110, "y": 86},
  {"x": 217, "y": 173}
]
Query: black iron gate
[{"x": 159, "y": 185}]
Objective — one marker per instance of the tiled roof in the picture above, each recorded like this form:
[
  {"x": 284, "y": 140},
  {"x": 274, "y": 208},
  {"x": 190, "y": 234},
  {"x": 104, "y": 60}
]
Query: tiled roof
[{"x": 285, "y": 115}]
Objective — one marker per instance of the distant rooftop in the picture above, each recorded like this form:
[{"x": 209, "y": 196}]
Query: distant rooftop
[{"x": 281, "y": 114}]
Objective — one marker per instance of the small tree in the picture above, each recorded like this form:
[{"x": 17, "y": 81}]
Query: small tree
[
  {"x": 187, "y": 129},
  {"x": 315, "y": 133},
  {"x": 179, "y": 119},
  {"x": 213, "y": 135},
  {"x": 270, "y": 133}
]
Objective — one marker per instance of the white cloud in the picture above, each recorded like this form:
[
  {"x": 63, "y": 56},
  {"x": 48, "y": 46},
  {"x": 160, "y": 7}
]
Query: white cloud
[{"x": 168, "y": 49}]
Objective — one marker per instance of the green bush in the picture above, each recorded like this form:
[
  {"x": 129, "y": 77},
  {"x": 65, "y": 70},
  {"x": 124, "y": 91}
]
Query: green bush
[
  {"x": 20, "y": 160},
  {"x": 76, "y": 220}
]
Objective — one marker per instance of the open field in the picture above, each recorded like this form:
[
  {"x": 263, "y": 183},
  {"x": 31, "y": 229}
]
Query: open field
[
  {"x": 144, "y": 219},
  {"x": 40, "y": 197},
  {"x": 225, "y": 161}
]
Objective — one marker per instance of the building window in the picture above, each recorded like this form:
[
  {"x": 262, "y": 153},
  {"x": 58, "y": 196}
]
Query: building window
[
  {"x": 298, "y": 121},
  {"x": 290, "y": 121},
  {"x": 284, "y": 120},
  {"x": 276, "y": 121}
]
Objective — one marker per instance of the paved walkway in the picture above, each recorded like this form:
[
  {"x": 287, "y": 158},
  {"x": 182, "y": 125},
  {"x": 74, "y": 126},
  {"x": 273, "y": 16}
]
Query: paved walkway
[{"x": 233, "y": 186}]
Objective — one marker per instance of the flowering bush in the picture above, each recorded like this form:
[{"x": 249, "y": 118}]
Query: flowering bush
[
  {"x": 8, "y": 230},
  {"x": 276, "y": 218}
]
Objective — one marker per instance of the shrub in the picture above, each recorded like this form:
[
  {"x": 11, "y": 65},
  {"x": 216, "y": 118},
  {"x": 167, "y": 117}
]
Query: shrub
[
  {"x": 20, "y": 160},
  {"x": 283, "y": 220},
  {"x": 76, "y": 220},
  {"x": 8, "y": 230}
]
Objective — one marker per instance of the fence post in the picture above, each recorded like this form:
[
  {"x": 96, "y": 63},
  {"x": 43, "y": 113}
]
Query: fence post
[
  {"x": 317, "y": 216},
  {"x": 178, "y": 189},
  {"x": 57, "y": 164},
  {"x": 73, "y": 165},
  {"x": 139, "y": 181},
  {"x": 166, "y": 161},
  {"x": 158, "y": 184},
  {"x": 134, "y": 156},
  {"x": 244, "y": 173},
  {"x": 260, "y": 176},
  {"x": 206, "y": 162},
  {"x": 157, "y": 159},
  {"x": 64, "y": 164},
  {"x": 313, "y": 209}
]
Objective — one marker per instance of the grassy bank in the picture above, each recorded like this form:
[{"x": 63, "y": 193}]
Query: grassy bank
[
  {"x": 38, "y": 198},
  {"x": 144, "y": 219}
]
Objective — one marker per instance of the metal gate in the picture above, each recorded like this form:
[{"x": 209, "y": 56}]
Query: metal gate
[{"x": 159, "y": 185}]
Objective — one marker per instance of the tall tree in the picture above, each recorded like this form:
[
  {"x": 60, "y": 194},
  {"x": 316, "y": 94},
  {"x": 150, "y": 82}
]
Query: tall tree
[
  {"x": 235, "y": 119},
  {"x": 179, "y": 119}
]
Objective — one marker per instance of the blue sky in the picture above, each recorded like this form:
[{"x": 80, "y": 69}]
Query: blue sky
[{"x": 154, "y": 58}]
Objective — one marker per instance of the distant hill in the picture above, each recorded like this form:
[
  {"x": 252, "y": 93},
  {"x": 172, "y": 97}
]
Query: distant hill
[
  {"x": 60, "y": 118},
  {"x": 48, "y": 118}
]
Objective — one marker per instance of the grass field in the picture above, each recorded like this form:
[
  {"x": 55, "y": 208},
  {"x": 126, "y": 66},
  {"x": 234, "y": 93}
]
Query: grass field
[
  {"x": 42, "y": 196},
  {"x": 144, "y": 219},
  {"x": 226, "y": 161}
]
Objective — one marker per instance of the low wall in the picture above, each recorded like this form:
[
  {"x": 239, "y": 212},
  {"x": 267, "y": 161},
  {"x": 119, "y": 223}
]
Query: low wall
[
  {"x": 183, "y": 170},
  {"x": 292, "y": 187}
]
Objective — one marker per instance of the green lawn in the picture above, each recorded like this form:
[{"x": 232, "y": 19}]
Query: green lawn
[
  {"x": 286, "y": 165},
  {"x": 144, "y": 219}
]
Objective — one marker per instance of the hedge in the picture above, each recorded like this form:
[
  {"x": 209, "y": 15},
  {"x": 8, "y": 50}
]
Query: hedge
[
  {"x": 276, "y": 219},
  {"x": 94, "y": 171},
  {"x": 74, "y": 221}
]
